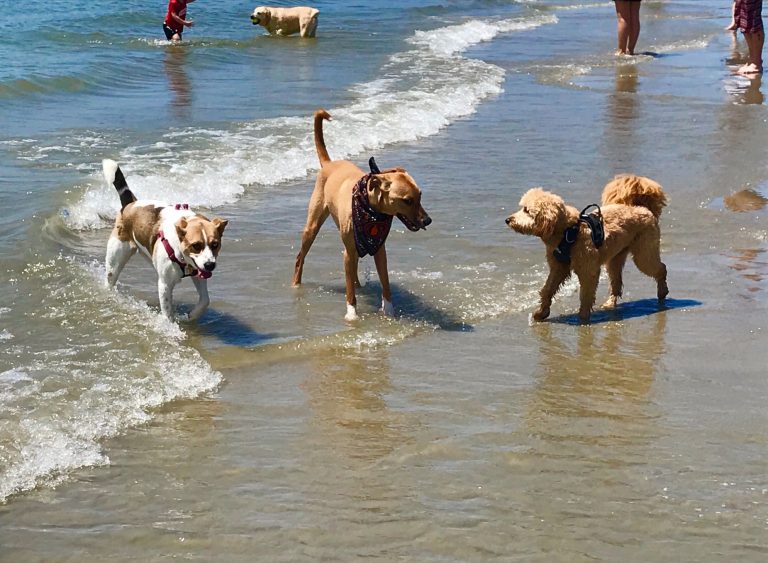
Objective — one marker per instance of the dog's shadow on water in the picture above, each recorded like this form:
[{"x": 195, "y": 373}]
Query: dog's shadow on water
[
  {"x": 628, "y": 310},
  {"x": 410, "y": 306},
  {"x": 229, "y": 329},
  {"x": 232, "y": 331}
]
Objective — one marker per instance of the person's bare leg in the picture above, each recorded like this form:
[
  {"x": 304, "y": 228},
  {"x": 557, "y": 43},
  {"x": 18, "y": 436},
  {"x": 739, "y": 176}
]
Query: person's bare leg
[
  {"x": 634, "y": 26},
  {"x": 622, "y": 23},
  {"x": 757, "y": 53},
  {"x": 732, "y": 26},
  {"x": 755, "y": 43}
]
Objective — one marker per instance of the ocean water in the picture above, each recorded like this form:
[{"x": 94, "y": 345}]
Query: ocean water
[{"x": 459, "y": 430}]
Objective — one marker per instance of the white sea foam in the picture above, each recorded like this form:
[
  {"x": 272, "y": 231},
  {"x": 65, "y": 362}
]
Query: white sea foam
[
  {"x": 425, "y": 89},
  {"x": 60, "y": 406},
  {"x": 16, "y": 383},
  {"x": 684, "y": 45},
  {"x": 490, "y": 295},
  {"x": 584, "y": 6},
  {"x": 420, "y": 274},
  {"x": 4, "y": 334},
  {"x": 456, "y": 38}
]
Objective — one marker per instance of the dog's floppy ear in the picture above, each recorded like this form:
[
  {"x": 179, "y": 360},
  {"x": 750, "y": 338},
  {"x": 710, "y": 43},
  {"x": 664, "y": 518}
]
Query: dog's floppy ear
[
  {"x": 220, "y": 225},
  {"x": 378, "y": 187},
  {"x": 181, "y": 228},
  {"x": 545, "y": 219}
]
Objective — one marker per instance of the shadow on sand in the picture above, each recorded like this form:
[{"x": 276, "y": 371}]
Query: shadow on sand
[
  {"x": 229, "y": 329},
  {"x": 409, "y": 306},
  {"x": 658, "y": 55},
  {"x": 628, "y": 310}
]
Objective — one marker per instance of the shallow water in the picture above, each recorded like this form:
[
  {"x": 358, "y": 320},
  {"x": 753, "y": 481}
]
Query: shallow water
[{"x": 456, "y": 431}]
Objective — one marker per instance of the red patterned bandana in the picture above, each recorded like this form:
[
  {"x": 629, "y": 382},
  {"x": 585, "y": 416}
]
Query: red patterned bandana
[{"x": 371, "y": 228}]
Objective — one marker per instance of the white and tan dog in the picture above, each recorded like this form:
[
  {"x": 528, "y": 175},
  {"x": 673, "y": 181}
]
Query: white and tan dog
[
  {"x": 287, "y": 21},
  {"x": 177, "y": 241}
]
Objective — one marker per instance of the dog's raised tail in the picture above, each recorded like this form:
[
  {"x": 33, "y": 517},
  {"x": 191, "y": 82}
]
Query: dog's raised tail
[
  {"x": 322, "y": 152},
  {"x": 628, "y": 189},
  {"x": 114, "y": 176}
]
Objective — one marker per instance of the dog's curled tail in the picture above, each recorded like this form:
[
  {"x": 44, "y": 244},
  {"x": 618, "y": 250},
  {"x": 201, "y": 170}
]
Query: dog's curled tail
[
  {"x": 322, "y": 152},
  {"x": 114, "y": 176},
  {"x": 628, "y": 189}
]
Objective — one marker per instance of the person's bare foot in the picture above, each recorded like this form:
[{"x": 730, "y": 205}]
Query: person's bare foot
[
  {"x": 750, "y": 69},
  {"x": 620, "y": 53}
]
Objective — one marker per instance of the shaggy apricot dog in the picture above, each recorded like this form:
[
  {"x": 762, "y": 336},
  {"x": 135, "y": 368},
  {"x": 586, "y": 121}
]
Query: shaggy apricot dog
[{"x": 631, "y": 206}]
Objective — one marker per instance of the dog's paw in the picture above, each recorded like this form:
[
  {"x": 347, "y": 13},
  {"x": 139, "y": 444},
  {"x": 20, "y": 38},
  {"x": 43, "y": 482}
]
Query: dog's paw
[
  {"x": 611, "y": 302},
  {"x": 541, "y": 314},
  {"x": 351, "y": 315},
  {"x": 387, "y": 309}
]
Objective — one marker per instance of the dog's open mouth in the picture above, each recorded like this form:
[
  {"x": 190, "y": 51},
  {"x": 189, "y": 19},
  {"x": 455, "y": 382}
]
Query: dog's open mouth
[
  {"x": 204, "y": 274},
  {"x": 255, "y": 20},
  {"x": 411, "y": 226}
]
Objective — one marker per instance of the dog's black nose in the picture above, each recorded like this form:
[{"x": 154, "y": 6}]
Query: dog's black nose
[
  {"x": 427, "y": 221},
  {"x": 210, "y": 266},
  {"x": 507, "y": 220}
]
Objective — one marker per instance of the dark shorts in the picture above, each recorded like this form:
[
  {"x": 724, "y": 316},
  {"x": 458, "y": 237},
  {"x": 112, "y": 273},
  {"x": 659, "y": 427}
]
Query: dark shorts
[
  {"x": 749, "y": 17},
  {"x": 169, "y": 33}
]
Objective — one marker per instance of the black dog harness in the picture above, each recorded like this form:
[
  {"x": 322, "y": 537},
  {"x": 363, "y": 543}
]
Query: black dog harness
[{"x": 594, "y": 220}]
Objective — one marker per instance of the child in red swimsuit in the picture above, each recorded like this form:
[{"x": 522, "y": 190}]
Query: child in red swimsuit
[{"x": 175, "y": 19}]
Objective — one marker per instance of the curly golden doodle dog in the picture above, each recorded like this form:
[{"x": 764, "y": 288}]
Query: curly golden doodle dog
[
  {"x": 287, "y": 21},
  {"x": 631, "y": 206},
  {"x": 362, "y": 206},
  {"x": 178, "y": 242}
]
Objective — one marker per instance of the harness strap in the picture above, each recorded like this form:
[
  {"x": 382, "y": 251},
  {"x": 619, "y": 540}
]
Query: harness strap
[
  {"x": 563, "y": 250},
  {"x": 186, "y": 269},
  {"x": 594, "y": 220}
]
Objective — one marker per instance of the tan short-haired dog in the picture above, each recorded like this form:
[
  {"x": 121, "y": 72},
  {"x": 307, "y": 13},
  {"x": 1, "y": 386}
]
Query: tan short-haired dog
[
  {"x": 287, "y": 21},
  {"x": 178, "y": 242},
  {"x": 362, "y": 206},
  {"x": 631, "y": 206}
]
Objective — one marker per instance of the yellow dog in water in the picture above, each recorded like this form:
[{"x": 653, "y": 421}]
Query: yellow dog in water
[{"x": 287, "y": 21}]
